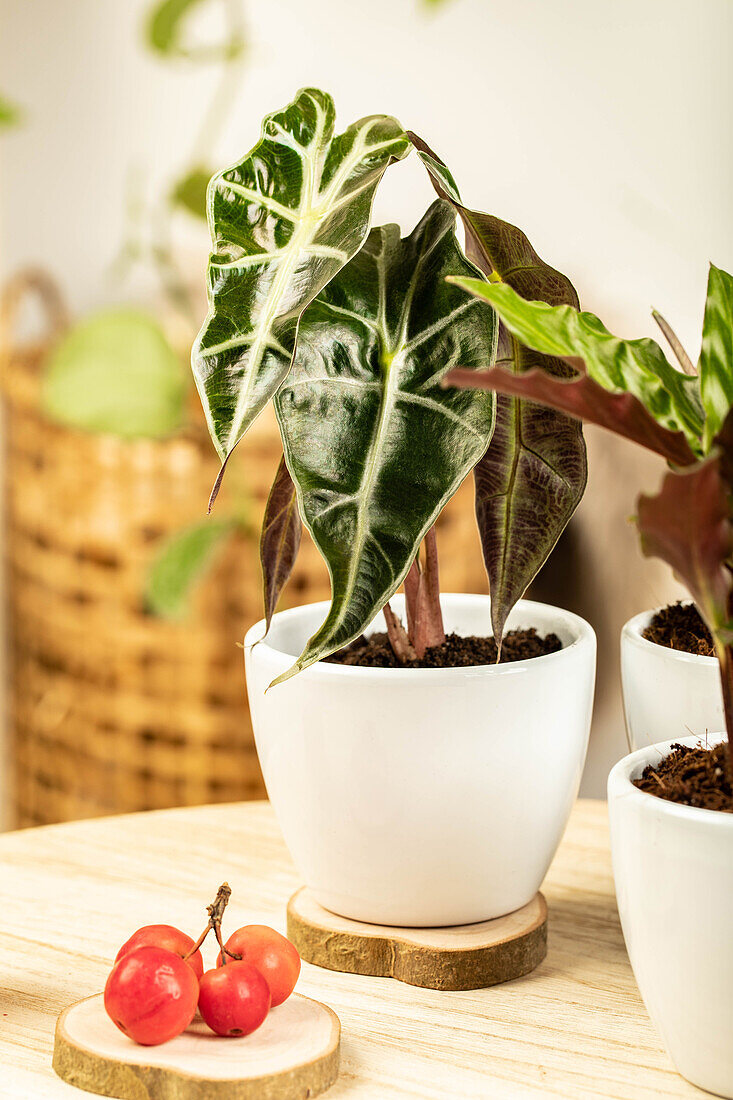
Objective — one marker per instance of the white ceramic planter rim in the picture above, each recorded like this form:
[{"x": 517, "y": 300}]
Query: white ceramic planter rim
[
  {"x": 632, "y": 630},
  {"x": 582, "y": 631},
  {"x": 622, "y": 775}
]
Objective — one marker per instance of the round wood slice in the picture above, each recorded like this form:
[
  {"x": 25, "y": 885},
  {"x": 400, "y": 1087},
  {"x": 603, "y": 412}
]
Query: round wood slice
[
  {"x": 470, "y": 956},
  {"x": 294, "y": 1055}
]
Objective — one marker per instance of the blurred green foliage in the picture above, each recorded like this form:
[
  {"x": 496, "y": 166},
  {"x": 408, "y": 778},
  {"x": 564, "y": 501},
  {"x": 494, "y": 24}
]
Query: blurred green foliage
[
  {"x": 182, "y": 561},
  {"x": 116, "y": 372}
]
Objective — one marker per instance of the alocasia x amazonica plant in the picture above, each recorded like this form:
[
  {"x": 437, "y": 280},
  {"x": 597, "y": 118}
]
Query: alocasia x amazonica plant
[
  {"x": 684, "y": 415},
  {"x": 351, "y": 330}
]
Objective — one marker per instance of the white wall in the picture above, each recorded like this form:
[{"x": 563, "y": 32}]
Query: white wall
[{"x": 603, "y": 129}]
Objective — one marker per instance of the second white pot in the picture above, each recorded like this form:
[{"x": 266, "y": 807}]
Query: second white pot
[
  {"x": 668, "y": 694},
  {"x": 423, "y": 797}
]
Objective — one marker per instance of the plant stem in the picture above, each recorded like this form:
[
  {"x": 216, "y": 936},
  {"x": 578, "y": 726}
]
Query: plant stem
[
  {"x": 216, "y": 912},
  {"x": 675, "y": 343},
  {"x": 422, "y": 600},
  {"x": 398, "y": 637},
  {"x": 725, "y": 659}
]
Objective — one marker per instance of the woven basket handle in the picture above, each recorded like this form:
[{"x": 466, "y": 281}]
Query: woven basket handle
[{"x": 32, "y": 281}]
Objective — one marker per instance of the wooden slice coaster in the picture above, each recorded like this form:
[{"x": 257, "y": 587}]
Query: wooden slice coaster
[
  {"x": 470, "y": 956},
  {"x": 294, "y": 1055}
]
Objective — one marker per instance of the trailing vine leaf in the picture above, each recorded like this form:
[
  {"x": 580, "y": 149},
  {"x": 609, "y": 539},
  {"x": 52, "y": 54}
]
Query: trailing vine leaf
[
  {"x": 585, "y": 399},
  {"x": 116, "y": 372},
  {"x": 374, "y": 444},
  {"x": 284, "y": 221},
  {"x": 280, "y": 539},
  {"x": 687, "y": 524},
  {"x": 165, "y": 33},
  {"x": 532, "y": 477},
  {"x": 189, "y": 193},
  {"x": 716, "y": 357},
  {"x": 180, "y": 565},
  {"x": 638, "y": 367}
]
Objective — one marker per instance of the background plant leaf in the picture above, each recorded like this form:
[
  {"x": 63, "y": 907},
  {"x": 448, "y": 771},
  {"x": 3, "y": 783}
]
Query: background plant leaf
[
  {"x": 581, "y": 397},
  {"x": 374, "y": 444},
  {"x": 116, "y": 372},
  {"x": 189, "y": 192},
  {"x": 716, "y": 357},
  {"x": 280, "y": 539},
  {"x": 165, "y": 33},
  {"x": 638, "y": 367},
  {"x": 180, "y": 565},
  {"x": 284, "y": 221},
  {"x": 10, "y": 113},
  {"x": 532, "y": 477}
]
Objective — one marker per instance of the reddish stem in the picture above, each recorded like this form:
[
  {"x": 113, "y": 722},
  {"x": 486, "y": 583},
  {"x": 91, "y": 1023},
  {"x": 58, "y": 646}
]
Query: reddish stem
[
  {"x": 725, "y": 660},
  {"x": 422, "y": 600},
  {"x": 397, "y": 635}
]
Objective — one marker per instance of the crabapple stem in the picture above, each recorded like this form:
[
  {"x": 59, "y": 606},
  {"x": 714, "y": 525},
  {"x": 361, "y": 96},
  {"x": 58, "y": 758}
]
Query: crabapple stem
[{"x": 216, "y": 912}]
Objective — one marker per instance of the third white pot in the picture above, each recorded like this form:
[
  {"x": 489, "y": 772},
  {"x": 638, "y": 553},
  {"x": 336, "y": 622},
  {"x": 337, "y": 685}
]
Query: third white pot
[
  {"x": 673, "y": 868},
  {"x": 668, "y": 694},
  {"x": 423, "y": 796}
]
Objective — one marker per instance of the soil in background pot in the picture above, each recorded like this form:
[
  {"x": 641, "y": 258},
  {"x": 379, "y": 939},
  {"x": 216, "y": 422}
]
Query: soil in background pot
[
  {"x": 455, "y": 652},
  {"x": 696, "y": 776},
  {"x": 679, "y": 626}
]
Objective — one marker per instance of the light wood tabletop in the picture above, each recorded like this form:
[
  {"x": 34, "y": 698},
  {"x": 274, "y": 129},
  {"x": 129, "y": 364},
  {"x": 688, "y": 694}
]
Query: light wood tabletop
[{"x": 576, "y": 1027}]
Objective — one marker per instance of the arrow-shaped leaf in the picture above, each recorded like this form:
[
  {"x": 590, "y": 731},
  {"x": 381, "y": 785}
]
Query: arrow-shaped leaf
[
  {"x": 638, "y": 367},
  {"x": 283, "y": 222},
  {"x": 280, "y": 539},
  {"x": 375, "y": 445},
  {"x": 532, "y": 477}
]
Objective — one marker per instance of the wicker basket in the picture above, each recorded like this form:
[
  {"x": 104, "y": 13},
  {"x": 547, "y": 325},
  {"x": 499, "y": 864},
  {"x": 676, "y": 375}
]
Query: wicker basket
[{"x": 111, "y": 709}]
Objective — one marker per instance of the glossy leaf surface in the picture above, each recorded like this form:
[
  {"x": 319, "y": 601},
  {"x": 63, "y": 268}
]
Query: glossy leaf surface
[
  {"x": 375, "y": 445},
  {"x": 716, "y": 357},
  {"x": 638, "y": 367},
  {"x": 284, "y": 221},
  {"x": 532, "y": 477},
  {"x": 280, "y": 539},
  {"x": 620, "y": 413}
]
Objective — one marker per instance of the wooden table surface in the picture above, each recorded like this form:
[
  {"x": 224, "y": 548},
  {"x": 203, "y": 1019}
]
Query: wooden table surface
[{"x": 576, "y": 1027}]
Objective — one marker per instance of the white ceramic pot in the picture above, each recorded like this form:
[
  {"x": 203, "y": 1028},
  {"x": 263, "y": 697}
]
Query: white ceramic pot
[
  {"x": 423, "y": 797},
  {"x": 673, "y": 867},
  {"x": 668, "y": 694}
]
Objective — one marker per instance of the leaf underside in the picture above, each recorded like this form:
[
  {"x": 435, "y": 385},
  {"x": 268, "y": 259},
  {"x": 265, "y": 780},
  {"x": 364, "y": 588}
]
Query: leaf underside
[
  {"x": 532, "y": 477},
  {"x": 283, "y": 221},
  {"x": 375, "y": 445},
  {"x": 280, "y": 539},
  {"x": 583, "y": 398},
  {"x": 638, "y": 367}
]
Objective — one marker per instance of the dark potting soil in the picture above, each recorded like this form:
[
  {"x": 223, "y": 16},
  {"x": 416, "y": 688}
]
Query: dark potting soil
[
  {"x": 679, "y": 626},
  {"x": 455, "y": 652},
  {"x": 692, "y": 776}
]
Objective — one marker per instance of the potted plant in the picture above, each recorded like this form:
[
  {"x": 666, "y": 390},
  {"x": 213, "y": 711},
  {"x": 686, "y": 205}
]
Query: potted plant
[
  {"x": 671, "y": 806},
  {"x": 432, "y": 791}
]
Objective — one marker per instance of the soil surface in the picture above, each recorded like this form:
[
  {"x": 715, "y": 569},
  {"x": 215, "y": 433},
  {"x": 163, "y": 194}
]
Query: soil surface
[
  {"x": 692, "y": 776},
  {"x": 456, "y": 651},
  {"x": 679, "y": 626}
]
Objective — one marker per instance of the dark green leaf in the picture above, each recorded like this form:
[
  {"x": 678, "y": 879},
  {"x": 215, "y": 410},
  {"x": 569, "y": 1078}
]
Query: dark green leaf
[
  {"x": 181, "y": 564},
  {"x": 284, "y": 221},
  {"x": 620, "y": 366},
  {"x": 716, "y": 358},
  {"x": 583, "y": 398},
  {"x": 280, "y": 539},
  {"x": 166, "y": 27},
  {"x": 532, "y": 477},
  {"x": 190, "y": 191},
  {"x": 116, "y": 372},
  {"x": 375, "y": 445}
]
